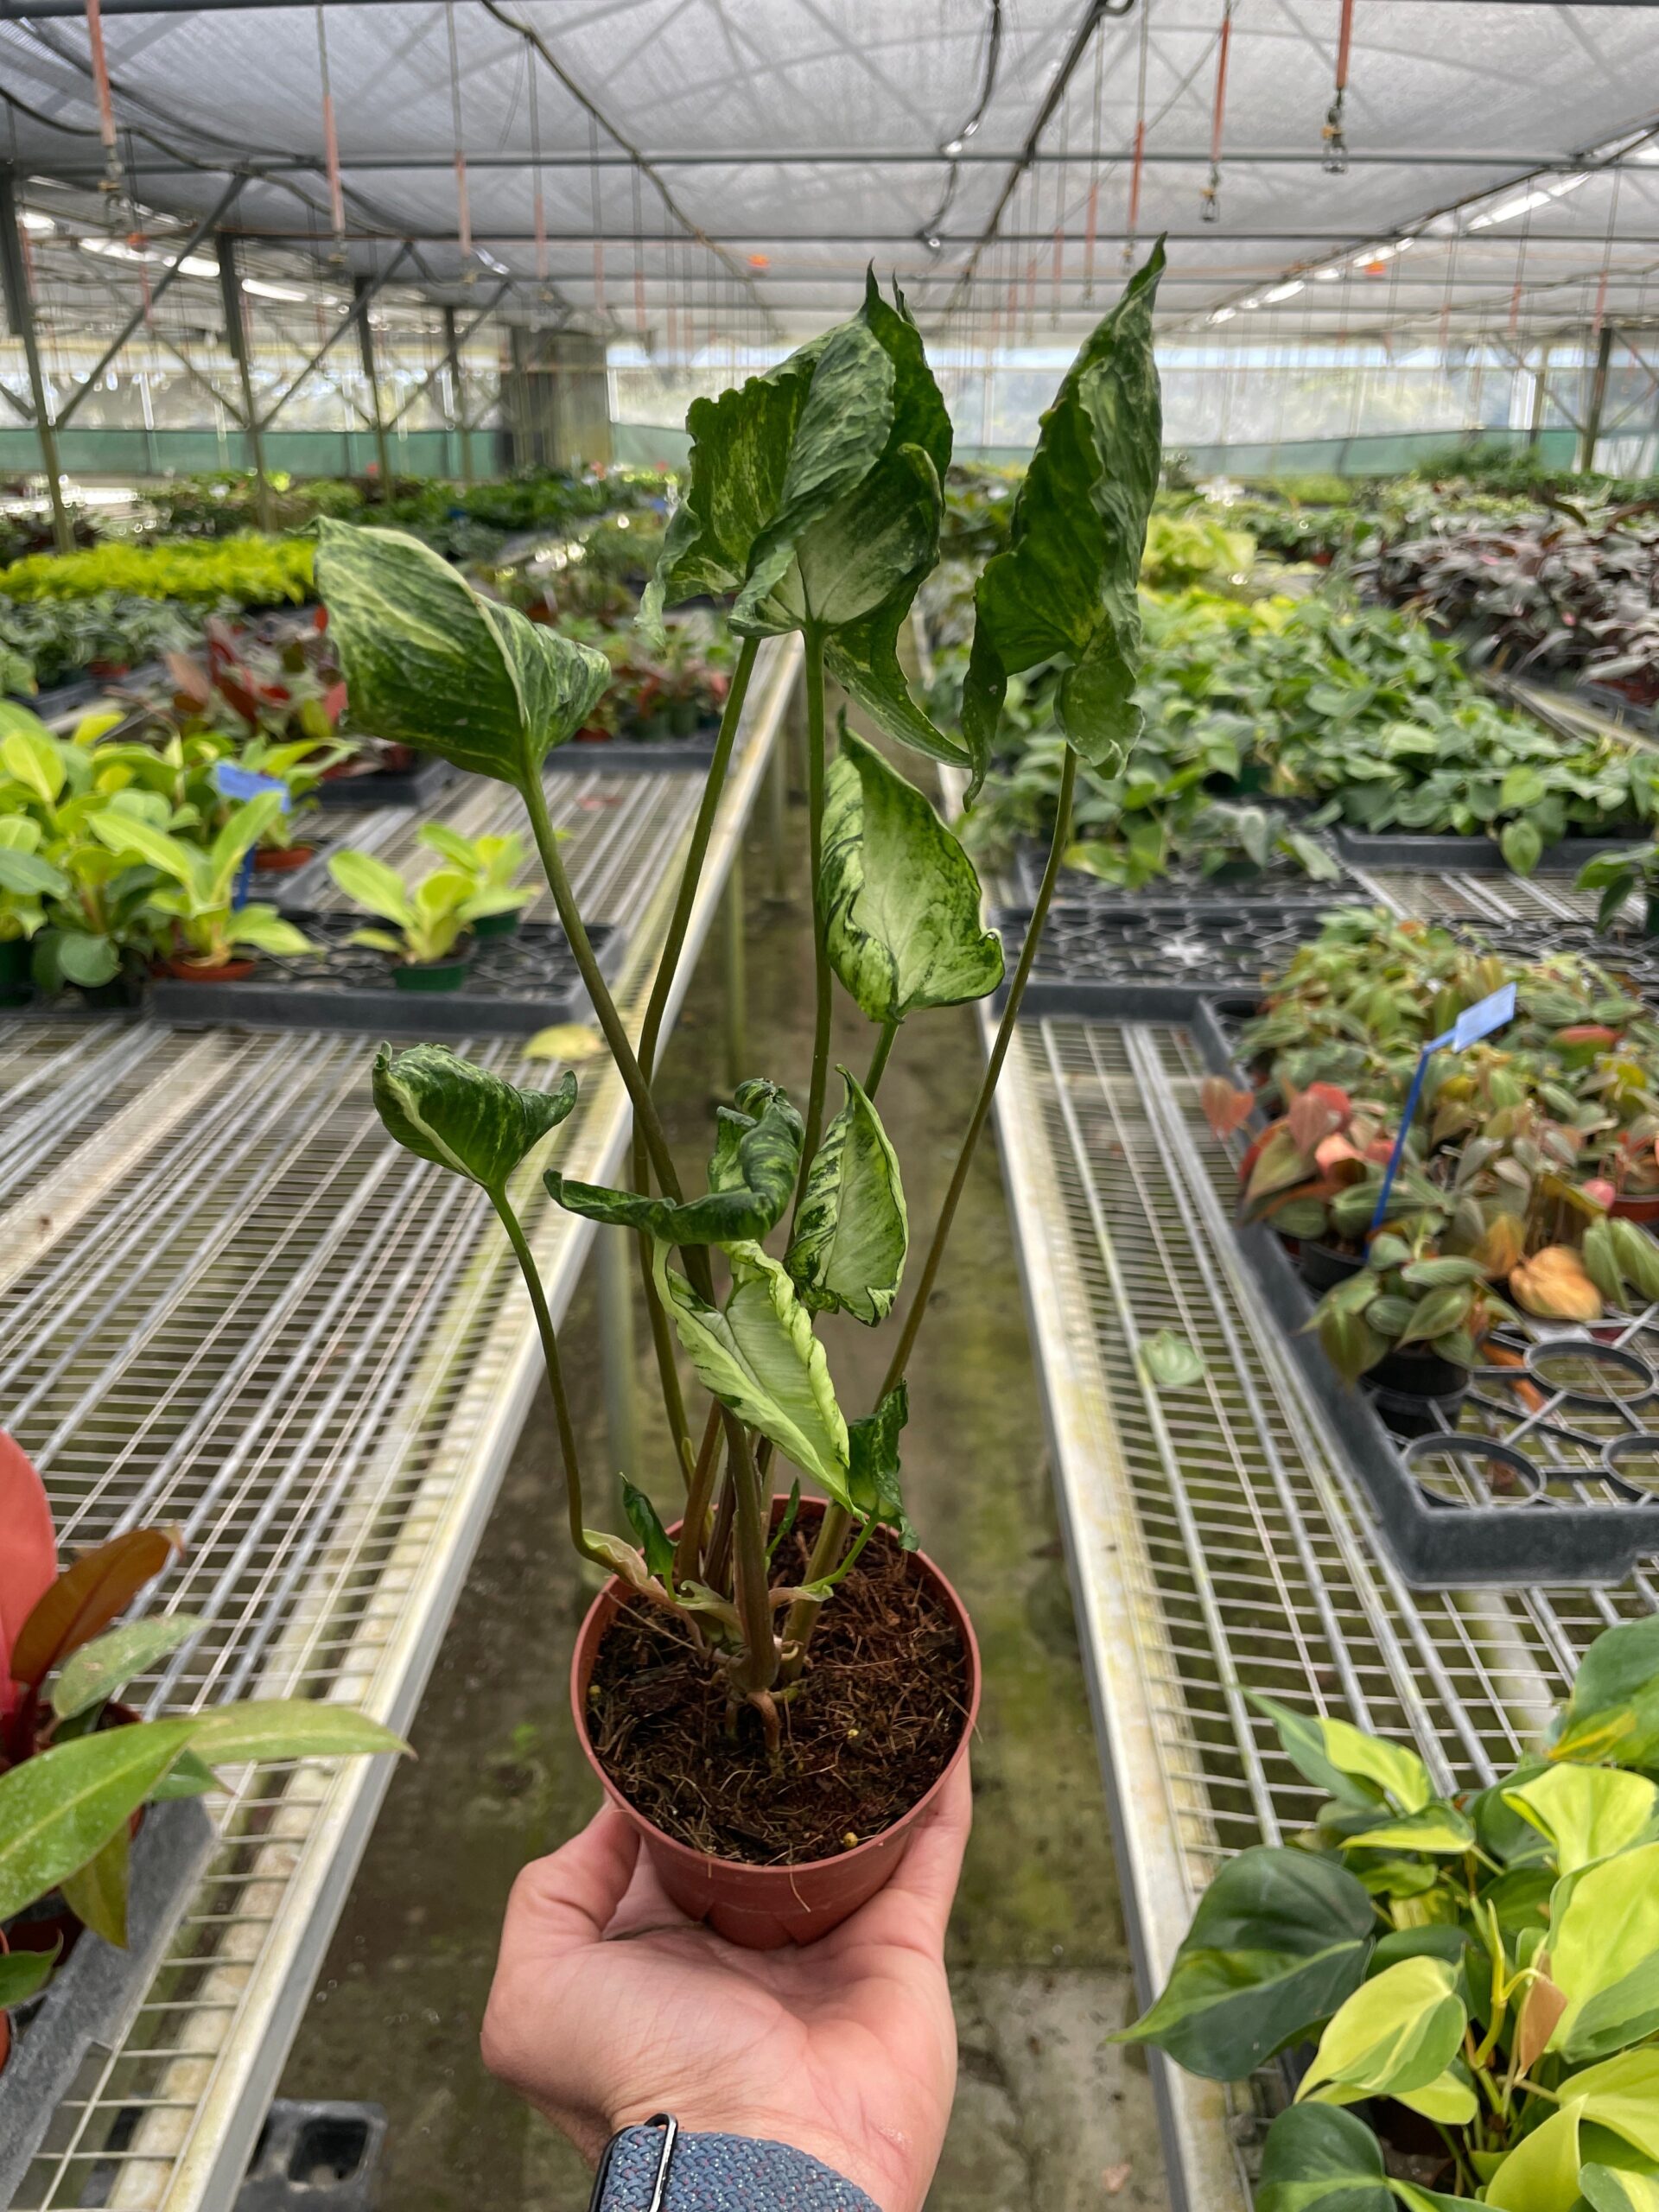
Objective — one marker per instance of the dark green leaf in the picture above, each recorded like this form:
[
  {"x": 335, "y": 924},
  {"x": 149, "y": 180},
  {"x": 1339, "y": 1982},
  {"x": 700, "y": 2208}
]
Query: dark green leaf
[
  {"x": 654, "y": 1539},
  {"x": 461, "y": 1116},
  {"x": 97, "y": 1892},
  {"x": 23, "y": 1974},
  {"x": 1321, "y": 2158},
  {"x": 847, "y": 1251},
  {"x": 790, "y": 1514},
  {"x": 752, "y": 1179},
  {"x": 1613, "y": 1710},
  {"x": 873, "y": 1464}
]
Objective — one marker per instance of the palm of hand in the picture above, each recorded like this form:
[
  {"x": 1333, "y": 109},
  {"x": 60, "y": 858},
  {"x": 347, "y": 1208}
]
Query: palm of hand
[{"x": 609, "y": 2005}]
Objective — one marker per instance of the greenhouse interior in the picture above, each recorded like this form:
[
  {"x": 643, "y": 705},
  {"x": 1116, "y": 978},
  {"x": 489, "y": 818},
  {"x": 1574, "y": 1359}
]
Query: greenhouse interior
[{"x": 828, "y": 831}]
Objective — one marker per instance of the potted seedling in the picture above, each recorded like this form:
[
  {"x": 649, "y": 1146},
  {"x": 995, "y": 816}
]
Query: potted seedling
[
  {"x": 429, "y": 943},
  {"x": 1632, "y": 871},
  {"x": 491, "y": 865},
  {"x": 776, "y": 1632},
  {"x": 199, "y": 895},
  {"x": 77, "y": 1767},
  {"x": 1467, "y": 1985}
]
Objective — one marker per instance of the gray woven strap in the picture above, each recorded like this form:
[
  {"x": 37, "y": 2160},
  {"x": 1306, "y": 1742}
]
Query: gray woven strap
[{"x": 719, "y": 2173}]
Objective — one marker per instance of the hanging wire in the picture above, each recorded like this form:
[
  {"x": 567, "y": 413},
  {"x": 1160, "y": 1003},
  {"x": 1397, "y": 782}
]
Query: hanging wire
[
  {"x": 1336, "y": 146},
  {"x": 1137, "y": 164},
  {"x": 1092, "y": 220},
  {"x": 537, "y": 198},
  {"x": 931, "y": 233},
  {"x": 1606, "y": 258},
  {"x": 1060, "y": 173},
  {"x": 599, "y": 311},
  {"x": 1209, "y": 198},
  {"x": 330, "y": 141},
  {"x": 640, "y": 321},
  {"x": 463, "y": 210}
]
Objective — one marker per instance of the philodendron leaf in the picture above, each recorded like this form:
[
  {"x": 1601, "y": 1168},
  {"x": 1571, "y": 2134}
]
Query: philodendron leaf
[
  {"x": 1604, "y": 1927},
  {"x": 1321, "y": 1749},
  {"x": 23, "y": 1974},
  {"x": 873, "y": 1460},
  {"x": 1170, "y": 1362},
  {"x": 759, "y": 1357},
  {"x": 431, "y": 664},
  {"x": 1437, "y": 1828},
  {"x": 1064, "y": 588},
  {"x": 847, "y": 1253},
  {"x": 1399, "y": 2031},
  {"x": 1319, "y": 2158},
  {"x": 1611, "y": 2189},
  {"x": 1613, "y": 1710},
  {"x": 59, "y": 1809},
  {"x": 458, "y": 1115},
  {"x": 287, "y": 1728},
  {"x": 751, "y": 1179},
  {"x": 1587, "y": 1812},
  {"x": 898, "y": 896},
  {"x": 1542, "y": 2173},
  {"x": 97, "y": 1892},
  {"x": 1280, "y": 1937},
  {"x": 101, "y": 1668},
  {"x": 1622, "y": 2094},
  {"x": 654, "y": 1539}
]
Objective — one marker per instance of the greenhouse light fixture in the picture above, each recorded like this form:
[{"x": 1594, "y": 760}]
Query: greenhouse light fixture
[
  {"x": 1287, "y": 291},
  {"x": 263, "y": 291},
  {"x": 1223, "y": 314},
  {"x": 32, "y": 222},
  {"x": 951, "y": 148},
  {"x": 1326, "y": 276},
  {"x": 1506, "y": 211}
]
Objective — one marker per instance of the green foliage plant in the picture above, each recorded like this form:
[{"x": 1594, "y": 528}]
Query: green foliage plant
[
  {"x": 248, "y": 571},
  {"x": 1486, "y": 1962},
  {"x": 813, "y": 503},
  {"x": 430, "y": 918},
  {"x": 195, "y": 885}
]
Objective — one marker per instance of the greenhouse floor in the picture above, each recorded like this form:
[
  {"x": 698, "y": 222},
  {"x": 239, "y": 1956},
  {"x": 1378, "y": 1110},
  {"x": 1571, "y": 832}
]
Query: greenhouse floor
[{"x": 1046, "y": 2113}]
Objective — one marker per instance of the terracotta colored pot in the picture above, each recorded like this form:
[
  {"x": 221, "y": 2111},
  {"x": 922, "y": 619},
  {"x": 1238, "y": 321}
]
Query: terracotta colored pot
[
  {"x": 278, "y": 859},
  {"x": 193, "y": 971},
  {"x": 1644, "y": 1210},
  {"x": 763, "y": 1907}
]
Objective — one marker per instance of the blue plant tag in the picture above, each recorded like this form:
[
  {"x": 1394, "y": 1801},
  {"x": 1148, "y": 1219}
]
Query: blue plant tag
[
  {"x": 1479, "y": 1021},
  {"x": 1471, "y": 1024},
  {"x": 240, "y": 784}
]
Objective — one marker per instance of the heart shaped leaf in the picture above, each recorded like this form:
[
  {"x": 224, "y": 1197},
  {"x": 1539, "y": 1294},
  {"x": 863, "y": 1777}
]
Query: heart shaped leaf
[{"x": 462, "y": 1117}]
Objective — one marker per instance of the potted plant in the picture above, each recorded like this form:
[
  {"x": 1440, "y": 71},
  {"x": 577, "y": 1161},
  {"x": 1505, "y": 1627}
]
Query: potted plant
[
  {"x": 428, "y": 942},
  {"x": 491, "y": 865},
  {"x": 1620, "y": 876},
  {"x": 200, "y": 899},
  {"x": 25, "y": 880},
  {"x": 813, "y": 499},
  {"x": 77, "y": 1768},
  {"x": 1467, "y": 1986}
]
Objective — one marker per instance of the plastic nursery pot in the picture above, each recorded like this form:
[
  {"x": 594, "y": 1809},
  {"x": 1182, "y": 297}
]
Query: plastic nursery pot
[
  {"x": 15, "y": 970},
  {"x": 1650, "y": 915},
  {"x": 278, "y": 859},
  {"x": 1322, "y": 1268},
  {"x": 764, "y": 1908},
  {"x": 498, "y": 925},
  {"x": 446, "y": 975},
  {"x": 202, "y": 971},
  {"x": 1644, "y": 1209},
  {"x": 1413, "y": 1388}
]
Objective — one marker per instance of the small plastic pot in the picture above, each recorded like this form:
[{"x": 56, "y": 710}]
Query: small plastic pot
[
  {"x": 17, "y": 987},
  {"x": 197, "y": 971},
  {"x": 1644, "y": 1210},
  {"x": 280, "y": 860},
  {"x": 498, "y": 925},
  {"x": 764, "y": 1908},
  {"x": 1321, "y": 1268},
  {"x": 446, "y": 975},
  {"x": 1413, "y": 1388}
]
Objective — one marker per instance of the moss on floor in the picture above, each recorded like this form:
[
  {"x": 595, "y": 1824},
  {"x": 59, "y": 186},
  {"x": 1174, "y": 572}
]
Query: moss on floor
[{"x": 1046, "y": 2113}]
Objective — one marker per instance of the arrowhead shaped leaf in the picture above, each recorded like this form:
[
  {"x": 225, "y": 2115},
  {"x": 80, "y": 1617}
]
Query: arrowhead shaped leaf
[
  {"x": 431, "y": 664},
  {"x": 751, "y": 1179},
  {"x": 1280, "y": 1937},
  {"x": 1065, "y": 588},
  {"x": 1587, "y": 1812},
  {"x": 759, "y": 1357},
  {"x": 1399, "y": 2031},
  {"x": 899, "y": 896},
  {"x": 1318, "y": 2159},
  {"x": 851, "y": 1231},
  {"x": 450, "y": 1110}
]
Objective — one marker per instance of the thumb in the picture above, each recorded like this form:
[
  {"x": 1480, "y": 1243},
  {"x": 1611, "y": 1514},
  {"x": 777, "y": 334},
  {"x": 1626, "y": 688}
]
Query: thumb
[{"x": 565, "y": 1902}]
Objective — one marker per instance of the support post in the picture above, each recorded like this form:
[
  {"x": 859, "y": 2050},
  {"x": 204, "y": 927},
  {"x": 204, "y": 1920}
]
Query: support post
[
  {"x": 457, "y": 401},
  {"x": 236, "y": 336},
  {"x": 615, "y": 1271},
  {"x": 1540, "y": 397},
  {"x": 363, "y": 286},
  {"x": 20, "y": 314},
  {"x": 1592, "y": 431},
  {"x": 737, "y": 994}
]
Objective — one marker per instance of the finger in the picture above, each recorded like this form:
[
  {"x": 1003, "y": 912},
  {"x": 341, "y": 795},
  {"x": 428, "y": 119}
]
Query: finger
[
  {"x": 565, "y": 1902},
  {"x": 915, "y": 1905}
]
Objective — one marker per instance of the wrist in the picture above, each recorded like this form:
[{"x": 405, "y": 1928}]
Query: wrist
[{"x": 659, "y": 2164}]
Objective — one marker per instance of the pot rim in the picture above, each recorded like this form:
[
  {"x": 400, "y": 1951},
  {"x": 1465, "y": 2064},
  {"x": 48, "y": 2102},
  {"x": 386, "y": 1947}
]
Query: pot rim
[{"x": 609, "y": 1601}]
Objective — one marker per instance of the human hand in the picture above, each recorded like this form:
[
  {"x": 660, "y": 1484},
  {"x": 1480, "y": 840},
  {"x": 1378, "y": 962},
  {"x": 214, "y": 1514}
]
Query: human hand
[{"x": 609, "y": 2003}]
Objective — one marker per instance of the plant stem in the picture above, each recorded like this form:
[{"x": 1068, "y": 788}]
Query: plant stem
[
  {"x": 815, "y": 779},
  {"x": 616, "y": 1036},
  {"x": 752, "y": 1590},
  {"x": 527, "y": 1265},
  {"x": 832, "y": 1530},
  {"x": 878, "y": 1060},
  {"x": 687, "y": 1555}
]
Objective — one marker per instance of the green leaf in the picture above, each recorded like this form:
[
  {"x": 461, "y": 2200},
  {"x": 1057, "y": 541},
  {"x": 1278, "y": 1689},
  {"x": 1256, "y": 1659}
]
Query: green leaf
[
  {"x": 1319, "y": 2158},
  {"x": 23, "y": 1974},
  {"x": 462, "y": 1117},
  {"x": 847, "y": 1253},
  {"x": 287, "y": 1728},
  {"x": 873, "y": 1464},
  {"x": 898, "y": 896},
  {"x": 1587, "y": 1812},
  {"x": 265, "y": 929},
  {"x": 1611, "y": 2189},
  {"x": 368, "y": 882},
  {"x": 59, "y": 1809},
  {"x": 1280, "y": 1937},
  {"x": 97, "y": 1892},
  {"x": 88, "y": 961},
  {"x": 1605, "y": 1923},
  {"x": 429, "y": 662},
  {"x": 1398, "y": 2031},
  {"x": 187, "y": 1776},
  {"x": 654, "y": 1539},
  {"x": 751, "y": 1178},
  {"x": 1613, "y": 1708},
  {"x": 1338, "y": 1757},
  {"x": 759, "y": 1357},
  {"x": 29, "y": 876},
  {"x": 1521, "y": 844},
  {"x": 1621, "y": 2014},
  {"x": 881, "y": 540},
  {"x": 1436, "y": 1828},
  {"x": 1064, "y": 589},
  {"x": 1542, "y": 2173},
  {"x": 1303, "y": 1738},
  {"x": 101, "y": 1668},
  {"x": 1416, "y": 2199},
  {"x": 1622, "y": 2094},
  {"x": 1170, "y": 1362}
]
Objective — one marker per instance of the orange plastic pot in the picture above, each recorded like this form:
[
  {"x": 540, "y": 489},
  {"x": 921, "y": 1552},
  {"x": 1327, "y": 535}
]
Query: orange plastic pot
[
  {"x": 198, "y": 971},
  {"x": 1642, "y": 1209},
  {"x": 279, "y": 860},
  {"x": 764, "y": 1908}
]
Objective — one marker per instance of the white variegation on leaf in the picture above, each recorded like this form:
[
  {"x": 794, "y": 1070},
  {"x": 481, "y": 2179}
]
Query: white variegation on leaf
[{"x": 851, "y": 1231}]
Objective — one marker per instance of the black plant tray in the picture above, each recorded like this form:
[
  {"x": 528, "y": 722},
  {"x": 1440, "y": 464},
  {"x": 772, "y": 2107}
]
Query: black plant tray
[
  {"x": 625, "y": 756},
  {"x": 1606, "y": 699},
  {"x": 1147, "y": 963},
  {"x": 1470, "y": 855},
  {"x": 93, "y": 1996},
  {"x": 387, "y": 786},
  {"x": 81, "y": 690},
  {"x": 1274, "y": 886},
  {"x": 515, "y": 986}
]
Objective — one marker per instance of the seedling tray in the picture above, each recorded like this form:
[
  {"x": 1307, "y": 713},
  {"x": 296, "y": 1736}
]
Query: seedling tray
[
  {"x": 1147, "y": 963},
  {"x": 93, "y": 1998},
  {"x": 515, "y": 986},
  {"x": 1272, "y": 886},
  {"x": 387, "y": 787},
  {"x": 1470, "y": 855},
  {"x": 625, "y": 756}
]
